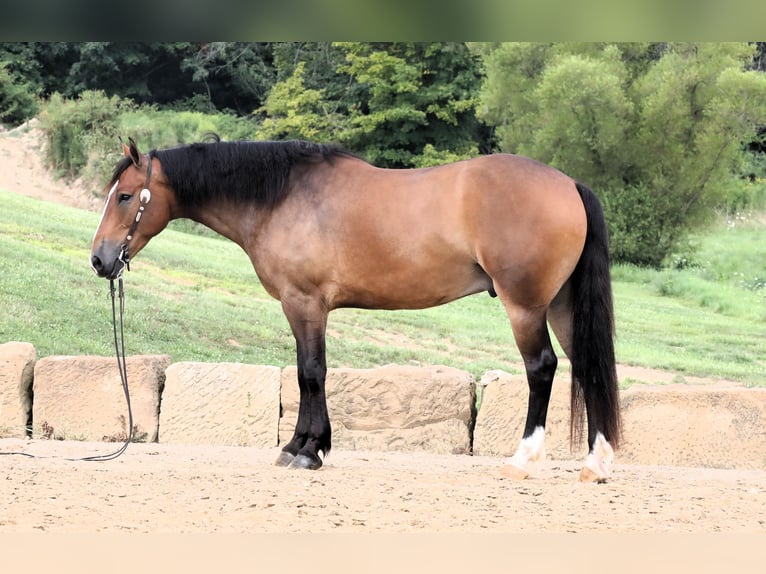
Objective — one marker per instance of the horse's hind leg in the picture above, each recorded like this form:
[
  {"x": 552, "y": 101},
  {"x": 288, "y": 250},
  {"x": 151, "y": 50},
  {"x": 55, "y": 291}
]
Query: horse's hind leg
[
  {"x": 598, "y": 463},
  {"x": 534, "y": 343}
]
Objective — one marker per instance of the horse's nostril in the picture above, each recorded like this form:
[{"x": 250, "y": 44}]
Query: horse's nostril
[{"x": 96, "y": 263}]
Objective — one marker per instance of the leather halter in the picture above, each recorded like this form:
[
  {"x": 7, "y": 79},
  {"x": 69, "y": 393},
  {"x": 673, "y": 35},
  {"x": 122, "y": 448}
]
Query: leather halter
[{"x": 144, "y": 198}]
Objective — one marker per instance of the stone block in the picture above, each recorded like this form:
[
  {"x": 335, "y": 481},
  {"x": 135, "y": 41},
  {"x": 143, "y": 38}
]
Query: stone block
[
  {"x": 393, "y": 407},
  {"x": 231, "y": 404},
  {"x": 17, "y": 363},
  {"x": 82, "y": 397},
  {"x": 694, "y": 425},
  {"x": 716, "y": 426}
]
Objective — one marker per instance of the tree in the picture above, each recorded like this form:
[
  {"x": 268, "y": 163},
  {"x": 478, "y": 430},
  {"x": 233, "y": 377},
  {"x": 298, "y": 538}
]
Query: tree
[
  {"x": 17, "y": 103},
  {"x": 656, "y": 129},
  {"x": 19, "y": 83},
  {"x": 396, "y": 104},
  {"x": 235, "y": 75},
  {"x": 413, "y": 95},
  {"x": 204, "y": 76},
  {"x": 310, "y": 98},
  {"x": 294, "y": 111}
]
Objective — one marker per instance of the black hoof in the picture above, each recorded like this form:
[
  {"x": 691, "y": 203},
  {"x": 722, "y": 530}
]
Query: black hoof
[
  {"x": 303, "y": 461},
  {"x": 285, "y": 459}
]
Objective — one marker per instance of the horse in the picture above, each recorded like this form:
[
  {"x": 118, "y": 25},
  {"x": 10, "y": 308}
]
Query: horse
[{"x": 325, "y": 229}]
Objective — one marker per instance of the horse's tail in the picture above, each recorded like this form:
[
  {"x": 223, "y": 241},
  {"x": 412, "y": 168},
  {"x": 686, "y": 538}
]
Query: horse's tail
[{"x": 594, "y": 372}]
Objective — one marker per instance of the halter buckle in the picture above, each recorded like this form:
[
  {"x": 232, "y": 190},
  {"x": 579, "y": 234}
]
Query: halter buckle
[{"x": 124, "y": 258}]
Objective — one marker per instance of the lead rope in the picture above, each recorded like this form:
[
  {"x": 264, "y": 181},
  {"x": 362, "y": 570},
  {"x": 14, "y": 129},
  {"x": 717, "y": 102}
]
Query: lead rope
[{"x": 119, "y": 349}]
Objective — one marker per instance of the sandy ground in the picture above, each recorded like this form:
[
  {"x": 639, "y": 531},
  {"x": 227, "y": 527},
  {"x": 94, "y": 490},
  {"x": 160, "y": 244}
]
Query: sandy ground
[
  {"x": 186, "y": 489},
  {"x": 22, "y": 170},
  {"x": 159, "y": 488}
]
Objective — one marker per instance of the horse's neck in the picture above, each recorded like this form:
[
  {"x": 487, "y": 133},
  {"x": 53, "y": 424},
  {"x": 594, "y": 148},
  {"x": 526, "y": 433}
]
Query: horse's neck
[{"x": 235, "y": 222}]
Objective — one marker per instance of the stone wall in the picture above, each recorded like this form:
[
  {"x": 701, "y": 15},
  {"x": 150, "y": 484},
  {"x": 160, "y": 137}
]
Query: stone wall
[
  {"x": 674, "y": 425},
  {"x": 221, "y": 403},
  {"x": 387, "y": 408},
  {"x": 17, "y": 364},
  {"x": 391, "y": 408}
]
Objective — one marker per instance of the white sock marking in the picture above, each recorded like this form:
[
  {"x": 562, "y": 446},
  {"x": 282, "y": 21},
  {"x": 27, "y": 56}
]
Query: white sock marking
[{"x": 531, "y": 450}]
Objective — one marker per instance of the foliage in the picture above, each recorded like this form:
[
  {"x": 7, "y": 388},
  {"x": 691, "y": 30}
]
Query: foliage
[
  {"x": 412, "y": 95},
  {"x": 656, "y": 130},
  {"x": 19, "y": 84},
  {"x": 153, "y": 128},
  {"x": 235, "y": 75},
  {"x": 387, "y": 102},
  {"x": 294, "y": 111},
  {"x": 17, "y": 103},
  {"x": 78, "y": 132},
  {"x": 224, "y": 75},
  {"x": 748, "y": 192},
  {"x": 666, "y": 134},
  {"x": 82, "y": 135},
  {"x": 397, "y": 104}
]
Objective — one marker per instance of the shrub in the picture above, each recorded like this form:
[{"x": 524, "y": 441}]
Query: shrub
[
  {"x": 641, "y": 230},
  {"x": 153, "y": 128},
  {"x": 80, "y": 134}
]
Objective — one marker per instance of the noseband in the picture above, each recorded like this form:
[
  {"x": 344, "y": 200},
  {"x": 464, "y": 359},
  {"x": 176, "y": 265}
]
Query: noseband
[{"x": 144, "y": 197}]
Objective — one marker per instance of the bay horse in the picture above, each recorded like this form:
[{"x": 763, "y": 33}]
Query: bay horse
[{"x": 324, "y": 229}]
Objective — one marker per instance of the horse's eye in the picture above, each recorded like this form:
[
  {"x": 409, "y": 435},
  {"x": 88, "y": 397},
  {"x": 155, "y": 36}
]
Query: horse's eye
[{"x": 124, "y": 197}]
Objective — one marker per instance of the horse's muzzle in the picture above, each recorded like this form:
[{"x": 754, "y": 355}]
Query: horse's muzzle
[{"x": 107, "y": 260}]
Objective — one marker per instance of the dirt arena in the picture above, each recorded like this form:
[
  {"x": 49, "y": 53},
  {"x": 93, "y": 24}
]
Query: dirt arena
[{"x": 183, "y": 489}]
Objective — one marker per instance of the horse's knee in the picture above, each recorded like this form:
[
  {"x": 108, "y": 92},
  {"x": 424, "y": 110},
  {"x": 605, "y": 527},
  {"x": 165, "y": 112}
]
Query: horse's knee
[{"x": 311, "y": 375}]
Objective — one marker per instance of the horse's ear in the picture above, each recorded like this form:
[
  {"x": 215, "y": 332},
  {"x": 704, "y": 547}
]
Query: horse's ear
[{"x": 131, "y": 151}]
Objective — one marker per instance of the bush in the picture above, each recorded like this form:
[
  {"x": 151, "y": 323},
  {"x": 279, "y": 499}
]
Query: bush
[
  {"x": 642, "y": 227},
  {"x": 747, "y": 192},
  {"x": 153, "y": 128},
  {"x": 81, "y": 134}
]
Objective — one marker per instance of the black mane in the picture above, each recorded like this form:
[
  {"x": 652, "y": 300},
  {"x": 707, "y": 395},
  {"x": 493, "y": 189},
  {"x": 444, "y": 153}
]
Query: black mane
[{"x": 246, "y": 171}]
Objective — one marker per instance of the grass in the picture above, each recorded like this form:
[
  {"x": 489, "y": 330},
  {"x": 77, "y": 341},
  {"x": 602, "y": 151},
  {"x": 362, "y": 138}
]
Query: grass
[{"x": 196, "y": 298}]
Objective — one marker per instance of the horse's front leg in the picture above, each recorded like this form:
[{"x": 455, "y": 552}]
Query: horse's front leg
[{"x": 308, "y": 320}]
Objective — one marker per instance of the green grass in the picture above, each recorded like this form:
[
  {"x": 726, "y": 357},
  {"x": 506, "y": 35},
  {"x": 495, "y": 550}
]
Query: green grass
[{"x": 197, "y": 298}]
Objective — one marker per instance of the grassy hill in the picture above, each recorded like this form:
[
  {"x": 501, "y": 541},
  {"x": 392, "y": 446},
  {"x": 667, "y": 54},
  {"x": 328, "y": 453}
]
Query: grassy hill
[{"x": 197, "y": 298}]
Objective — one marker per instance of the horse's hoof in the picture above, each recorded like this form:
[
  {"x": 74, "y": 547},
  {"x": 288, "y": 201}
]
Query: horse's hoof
[
  {"x": 285, "y": 459},
  {"x": 303, "y": 461},
  {"x": 589, "y": 475},
  {"x": 598, "y": 464},
  {"x": 514, "y": 472}
]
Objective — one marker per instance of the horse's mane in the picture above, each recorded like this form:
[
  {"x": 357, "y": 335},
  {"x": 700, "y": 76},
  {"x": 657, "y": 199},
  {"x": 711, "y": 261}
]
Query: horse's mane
[{"x": 244, "y": 171}]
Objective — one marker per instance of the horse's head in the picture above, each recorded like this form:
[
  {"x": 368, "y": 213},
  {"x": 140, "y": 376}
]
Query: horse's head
[{"x": 138, "y": 207}]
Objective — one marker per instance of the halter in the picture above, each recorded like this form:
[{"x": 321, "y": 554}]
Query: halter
[{"x": 144, "y": 197}]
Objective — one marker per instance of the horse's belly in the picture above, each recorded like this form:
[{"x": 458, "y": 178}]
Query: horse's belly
[{"x": 415, "y": 289}]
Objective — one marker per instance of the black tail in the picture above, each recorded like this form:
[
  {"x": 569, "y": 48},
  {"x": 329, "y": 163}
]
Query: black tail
[{"x": 594, "y": 373}]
